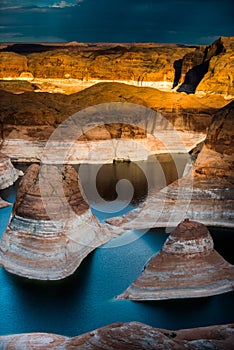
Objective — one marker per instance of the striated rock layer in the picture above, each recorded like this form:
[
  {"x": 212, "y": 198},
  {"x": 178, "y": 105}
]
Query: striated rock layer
[
  {"x": 28, "y": 120},
  {"x": 52, "y": 228},
  {"x": 128, "y": 336},
  {"x": 206, "y": 195},
  {"x": 188, "y": 266},
  {"x": 8, "y": 174}
]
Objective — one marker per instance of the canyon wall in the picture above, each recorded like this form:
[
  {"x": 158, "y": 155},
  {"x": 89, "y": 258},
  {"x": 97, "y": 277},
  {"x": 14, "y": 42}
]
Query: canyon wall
[
  {"x": 69, "y": 68},
  {"x": 204, "y": 195},
  {"x": 27, "y": 120}
]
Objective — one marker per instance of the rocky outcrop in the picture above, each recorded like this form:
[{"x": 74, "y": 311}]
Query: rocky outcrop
[
  {"x": 206, "y": 195},
  {"x": 52, "y": 228},
  {"x": 128, "y": 336},
  {"x": 8, "y": 174},
  {"x": 209, "y": 69},
  {"x": 3, "y": 203},
  {"x": 27, "y": 120},
  {"x": 186, "y": 267},
  {"x": 12, "y": 65},
  {"x": 68, "y": 68}
]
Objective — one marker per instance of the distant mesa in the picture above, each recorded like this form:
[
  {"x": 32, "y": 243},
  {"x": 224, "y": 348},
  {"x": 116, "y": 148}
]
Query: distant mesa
[
  {"x": 76, "y": 43},
  {"x": 187, "y": 266}
]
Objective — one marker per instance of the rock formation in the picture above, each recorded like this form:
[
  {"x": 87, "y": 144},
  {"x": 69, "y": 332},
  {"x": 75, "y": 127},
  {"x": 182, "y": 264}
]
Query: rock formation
[
  {"x": 72, "y": 67},
  {"x": 205, "y": 196},
  {"x": 136, "y": 62},
  {"x": 128, "y": 336},
  {"x": 27, "y": 120},
  {"x": 8, "y": 175},
  {"x": 209, "y": 69},
  {"x": 187, "y": 266},
  {"x": 52, "y": 229}
]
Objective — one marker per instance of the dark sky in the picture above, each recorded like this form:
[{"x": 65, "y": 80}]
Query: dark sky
[{"x": 175, "y": 21}]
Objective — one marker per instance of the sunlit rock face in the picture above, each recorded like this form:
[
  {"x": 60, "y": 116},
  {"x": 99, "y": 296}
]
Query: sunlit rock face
[
  {"x": 128, "y": 336},
  {"x": 131, "y": 62},
  {"x": 209, "y": 69},
  {"x": 12, "y": 65},
  {"x": 219, "y": 77},
  {"x": 186, "y": 267},
  {"x": 206, "y": 195},
  {"x": 52, "y": 228}
]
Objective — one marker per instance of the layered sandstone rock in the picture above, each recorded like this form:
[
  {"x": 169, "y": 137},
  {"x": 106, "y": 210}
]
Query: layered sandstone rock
[
  {"x": 128, "y": 336},
  {"x": 219, "y": 77},
  {"x": 209, "y": 69},
  {"x": 52, "y": 228},
  {"x": 205, "y": 195},
  {"x": 136, "y": 62},
  {"x": 12, "y": 65},
  {"x": 8, "y": 174},
  {"x": 187, "y": 267},
  {"x": 28, "y": 120}
]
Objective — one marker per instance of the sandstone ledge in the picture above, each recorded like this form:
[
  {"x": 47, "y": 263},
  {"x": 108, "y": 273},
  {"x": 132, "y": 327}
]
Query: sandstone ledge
[{"x": 128, "y": 336}]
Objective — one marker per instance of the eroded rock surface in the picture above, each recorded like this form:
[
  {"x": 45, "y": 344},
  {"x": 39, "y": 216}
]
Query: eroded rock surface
[
  {"x": 52, "y": 229},
  {"x": 206, "y": 195},
  {"x": 128, "y": 336},
  {"x": 28, "y": 120},
  {"x": 186, "y": 267},
  {"x": 8, "y": 174}
]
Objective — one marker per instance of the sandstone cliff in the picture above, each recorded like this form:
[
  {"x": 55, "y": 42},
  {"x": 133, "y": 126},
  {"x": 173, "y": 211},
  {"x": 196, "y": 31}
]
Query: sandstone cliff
[
  {"x": 209, "y": 69},
  {"x": 186, "y": 267},
  {"x": 128, "y": 336},
  {"x": 68, "y": 68},
  {"x": 27, "y": 120},
  {"x": 136, "y": 62}
]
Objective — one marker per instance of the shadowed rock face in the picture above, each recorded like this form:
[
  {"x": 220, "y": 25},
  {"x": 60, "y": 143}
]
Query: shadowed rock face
[
  {"x": 52, "y": 228},
  {"x": 186, "y": 267},
  {"x": 128, "y": 336},
  {"x": 209, "y": 69}
]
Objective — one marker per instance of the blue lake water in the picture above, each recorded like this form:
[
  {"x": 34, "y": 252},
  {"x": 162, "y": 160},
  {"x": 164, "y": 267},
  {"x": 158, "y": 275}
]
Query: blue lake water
[{"x": 86, "y": 300}]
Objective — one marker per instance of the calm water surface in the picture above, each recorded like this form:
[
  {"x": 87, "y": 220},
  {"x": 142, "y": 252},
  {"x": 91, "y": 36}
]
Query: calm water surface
[{"x": 87, "y": 301}]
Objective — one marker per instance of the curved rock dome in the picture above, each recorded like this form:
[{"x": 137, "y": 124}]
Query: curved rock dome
[{"x": 188, "y": 266}]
